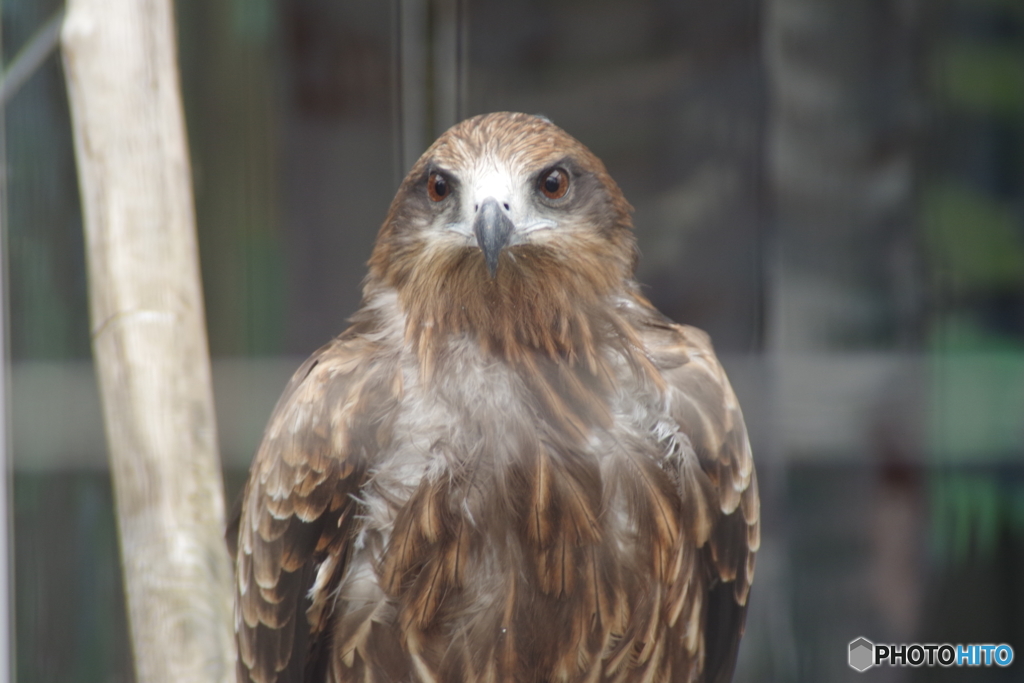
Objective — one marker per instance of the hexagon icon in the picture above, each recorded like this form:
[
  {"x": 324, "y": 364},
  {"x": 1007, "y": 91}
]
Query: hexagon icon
[{"x": 862, "y": 654}]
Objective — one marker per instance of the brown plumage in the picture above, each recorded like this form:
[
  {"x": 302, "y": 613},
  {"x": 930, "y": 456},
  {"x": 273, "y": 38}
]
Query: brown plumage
[{"x": 511, "y": 467}]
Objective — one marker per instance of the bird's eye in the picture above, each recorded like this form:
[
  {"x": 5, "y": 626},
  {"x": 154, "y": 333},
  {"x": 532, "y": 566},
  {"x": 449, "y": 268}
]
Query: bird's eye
[
  {"x": 437, "y": 187},
  {"x": 555, "y": 183}
]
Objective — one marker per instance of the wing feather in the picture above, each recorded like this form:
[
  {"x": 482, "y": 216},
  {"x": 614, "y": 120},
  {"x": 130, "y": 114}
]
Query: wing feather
[
  {"x": 295, "y": 516},
  {"x": 718, "y": 487}
]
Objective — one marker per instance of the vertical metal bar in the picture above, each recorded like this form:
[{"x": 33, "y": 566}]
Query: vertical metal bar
[
  {"x": 413, "y": 70},
  {"x": 397, "y": 99},
  {"x": 431, "y": 76},
  {"x": 445, "y": 63},
  {"x": 6, "y": 470},
  {"x": 461, "y": 59}
]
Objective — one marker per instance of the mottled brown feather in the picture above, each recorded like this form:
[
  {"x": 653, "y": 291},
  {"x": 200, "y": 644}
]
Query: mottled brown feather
[
  {"x": 293, "y": 507},
  {"x": 600, "y": 526}
]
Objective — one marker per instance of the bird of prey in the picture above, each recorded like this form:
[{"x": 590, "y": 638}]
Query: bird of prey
[{"x": 510, "y": 467}]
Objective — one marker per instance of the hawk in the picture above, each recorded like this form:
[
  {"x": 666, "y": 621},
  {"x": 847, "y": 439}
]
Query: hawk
[{"x": 510, "y": 467}]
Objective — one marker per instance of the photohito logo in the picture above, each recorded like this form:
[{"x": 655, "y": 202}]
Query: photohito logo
[{"x": 863, "y": 654}]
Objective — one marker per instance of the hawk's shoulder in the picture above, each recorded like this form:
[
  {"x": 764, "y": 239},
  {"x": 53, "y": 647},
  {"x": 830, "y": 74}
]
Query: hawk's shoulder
[
  {"x": 332, "y": 418},
  {"x": 725, "y": 516}
]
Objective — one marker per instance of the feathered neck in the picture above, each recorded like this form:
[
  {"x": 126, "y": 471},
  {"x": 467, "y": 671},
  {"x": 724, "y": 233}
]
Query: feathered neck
[
  {"x": 538, "y": 302},
  {"x": 551, "y": 317}
]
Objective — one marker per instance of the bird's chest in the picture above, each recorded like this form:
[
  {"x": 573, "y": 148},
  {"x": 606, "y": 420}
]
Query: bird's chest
[
  {"x": 489, "y": 516},
  {"x": 487, "y": 435}
]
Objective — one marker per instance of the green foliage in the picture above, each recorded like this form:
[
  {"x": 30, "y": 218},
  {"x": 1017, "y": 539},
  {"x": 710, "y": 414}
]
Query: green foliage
[
  {"x": 965, "y": 516},
  {"x": 974, "y": 238},
  {"x": 982, "y": 79},
  {"x": 970, "y": 510}
]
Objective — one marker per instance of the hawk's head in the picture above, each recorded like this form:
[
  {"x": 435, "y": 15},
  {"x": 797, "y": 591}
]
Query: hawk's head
[{"x": 505, "y": 210}]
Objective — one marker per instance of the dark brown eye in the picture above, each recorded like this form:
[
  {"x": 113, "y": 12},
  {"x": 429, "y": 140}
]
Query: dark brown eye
[
  {"x": 437, "y": 187},
  {"x": 555, "y": 183}
]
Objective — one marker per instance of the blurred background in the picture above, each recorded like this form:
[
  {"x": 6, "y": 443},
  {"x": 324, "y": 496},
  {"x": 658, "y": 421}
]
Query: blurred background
[{"x": 834, "y": 189}]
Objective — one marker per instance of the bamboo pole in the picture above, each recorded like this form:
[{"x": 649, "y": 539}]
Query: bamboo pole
[{"x": 149, "y": 336}]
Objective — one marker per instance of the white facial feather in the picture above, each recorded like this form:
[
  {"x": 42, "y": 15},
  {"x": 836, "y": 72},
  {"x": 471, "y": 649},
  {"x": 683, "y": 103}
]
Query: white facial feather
[
  {"x": 491, "y": 180},
  {"x": 510, "y": 185}
]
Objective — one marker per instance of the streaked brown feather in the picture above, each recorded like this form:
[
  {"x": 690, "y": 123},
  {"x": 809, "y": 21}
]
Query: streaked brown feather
[
  {"x": 293, "y": 509},
  {"x": 603, "y": 528},
  {"x": 655, "y": 506},
  {"x": 707, "y": 411}
]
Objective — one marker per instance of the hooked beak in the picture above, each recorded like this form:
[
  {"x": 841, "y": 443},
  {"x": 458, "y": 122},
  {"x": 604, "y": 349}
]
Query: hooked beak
[{"x": 493, "y": 229}]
